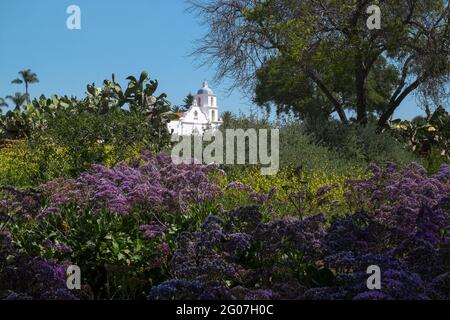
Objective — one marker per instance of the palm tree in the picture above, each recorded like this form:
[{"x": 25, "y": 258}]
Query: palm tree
[
  {"x": 27, "y": 77},
  {"x": 227, "y": 118},
  {"x": 188, "y": 101},
  {"x": 3, "y": 103},
  {"x": 18, "y": 99}
]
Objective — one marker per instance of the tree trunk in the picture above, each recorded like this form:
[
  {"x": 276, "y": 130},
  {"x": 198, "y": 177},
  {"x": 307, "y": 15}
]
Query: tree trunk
[
  {"x": 361, "y": 94},
  {"x": 26, "y": 92},
  {"x": 395, "y": 102},
  {"x": 337, "y": 106}
]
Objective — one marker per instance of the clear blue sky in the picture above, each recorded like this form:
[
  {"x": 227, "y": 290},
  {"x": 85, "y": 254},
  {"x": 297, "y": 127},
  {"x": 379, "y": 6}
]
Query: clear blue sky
[{"x": 124, "y": 37}]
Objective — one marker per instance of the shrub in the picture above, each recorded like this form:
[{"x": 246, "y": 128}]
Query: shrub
[
  {"x": 299, "y": 148},
  {"x": 119, "y": 255},
  {"x": 23, "y": 164},
  {"x": 290, "y": 192},
  {"x": 361, "y": 144},
  {"x": 90, "y": 138},
  {"x": 117, "y": 224},
  {"x": 428, "y": 137},
  {"x": 395, "y": 196},
  {"x": 239, "y": 256},
  {"x": 152, "y": 183},
  {"x": 23, "y": 277}
]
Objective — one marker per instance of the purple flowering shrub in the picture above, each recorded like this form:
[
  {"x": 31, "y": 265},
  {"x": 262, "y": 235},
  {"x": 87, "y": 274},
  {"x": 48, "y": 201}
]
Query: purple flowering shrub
[
  {"x": 155, "y": 229},
  {"x": 410, "y": 264},
  {"x": 242, "y": 257},
  {"x": 23, "y": 277},
  {"x": 403, "y": 228},
  {"x": 116, "y": 224},
  {"x": 395, "y": 197},
  {"x": 22, "y": 203},
  {"x": 152, "y": 183},
  {"x": 118, "y": 255}
]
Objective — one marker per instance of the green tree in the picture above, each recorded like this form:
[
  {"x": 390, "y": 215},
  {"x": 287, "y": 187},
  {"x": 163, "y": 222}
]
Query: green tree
[
  {"x": 227, "y": 117},
  {"x": 27, "y": 77},
  {"x": 3, "y": 103},
  {"x": 328, "y": 40},
  {"x": 290, "y": 90},
  {"x": 188, "y": 101},
  {"x": 18, "y": 100}
]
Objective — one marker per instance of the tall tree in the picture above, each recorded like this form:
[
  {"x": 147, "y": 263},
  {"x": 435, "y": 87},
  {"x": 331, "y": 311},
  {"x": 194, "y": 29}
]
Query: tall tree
[
  {"x": 227, "y": 118},
  {"x": 320, "y": 38},
  {"x": 291, "y": 91},
  {"x": 188, "y": 101},
  {"x": 27, "y": 77},
  {"x": 18, "y": 100},
  {"x": 3, "y": 103}
]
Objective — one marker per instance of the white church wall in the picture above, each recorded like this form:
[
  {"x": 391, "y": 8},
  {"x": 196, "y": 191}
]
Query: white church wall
[{"x": 201, "y": 115}]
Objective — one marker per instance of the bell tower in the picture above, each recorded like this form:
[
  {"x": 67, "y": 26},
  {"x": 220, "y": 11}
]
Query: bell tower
[{"x": 207, "y": 101}]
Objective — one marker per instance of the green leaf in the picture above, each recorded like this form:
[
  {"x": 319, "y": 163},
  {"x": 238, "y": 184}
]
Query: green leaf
[
  {"x": 143, "y": 77},
  {"x": 131, "y": 78}
]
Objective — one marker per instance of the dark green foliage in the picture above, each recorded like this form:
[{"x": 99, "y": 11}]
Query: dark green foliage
[
  {"x": 360, "y": 144},
  {"x": 317, "y": 142},
  {"x": 326, "y": 51},
  {"x": 98, "y": 138},
  {"x": 107, "y": 126},
  {"x": 292, "y": 91}
]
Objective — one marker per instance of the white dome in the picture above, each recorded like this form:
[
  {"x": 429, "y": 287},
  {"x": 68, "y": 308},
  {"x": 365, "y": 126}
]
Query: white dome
[{"x": 205, "y": 89}]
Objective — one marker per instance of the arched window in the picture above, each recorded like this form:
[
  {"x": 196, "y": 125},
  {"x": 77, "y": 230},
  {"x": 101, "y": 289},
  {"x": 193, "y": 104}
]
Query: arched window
[
  {"x": 212, "y": 101},
  {"x": 213, "y": 115},
  {"x": 195, "y": 115},
  {"x": 198, "y": 101}
]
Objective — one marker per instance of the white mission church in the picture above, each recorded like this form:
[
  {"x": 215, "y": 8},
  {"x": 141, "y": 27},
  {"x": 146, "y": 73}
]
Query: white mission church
[{"x": 202, "y": 115}]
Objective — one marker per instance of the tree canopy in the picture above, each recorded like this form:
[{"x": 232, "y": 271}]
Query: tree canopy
[
  {"x": 291, "y": 90},
  {"x": 326, "y": 48},
  {"x": 27, "y": 77}
]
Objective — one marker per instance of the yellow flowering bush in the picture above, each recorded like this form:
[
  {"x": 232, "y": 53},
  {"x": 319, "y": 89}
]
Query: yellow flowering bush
[
  {"x": 17, "y": 166},
  {"x": 289, "y": 192},
  {"x": 114, "y": 156},
  {"x": 25, "y": 163}
]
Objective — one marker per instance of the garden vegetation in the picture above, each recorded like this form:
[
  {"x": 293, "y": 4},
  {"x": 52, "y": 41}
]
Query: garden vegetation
[{"x": 79, "y": 187}]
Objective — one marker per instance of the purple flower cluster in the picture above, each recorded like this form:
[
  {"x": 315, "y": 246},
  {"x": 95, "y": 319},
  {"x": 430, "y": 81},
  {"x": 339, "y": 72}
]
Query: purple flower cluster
[
  {"x": 243, "y": 256},
  {"x": 24, "y": 277},
  {"x": 313, "y": 258},
  {"x": 255, "y": 197},
  {"x": 58, "y": 247},
  {"x": 401, "y": 223},
  {"x": 22, "y": 203},
  {"x": 411, "y": 263},
  {"x": 153, "y": 230},
  {"x": 395, "y": 197},
  {"x": 152, "y": 183}
]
